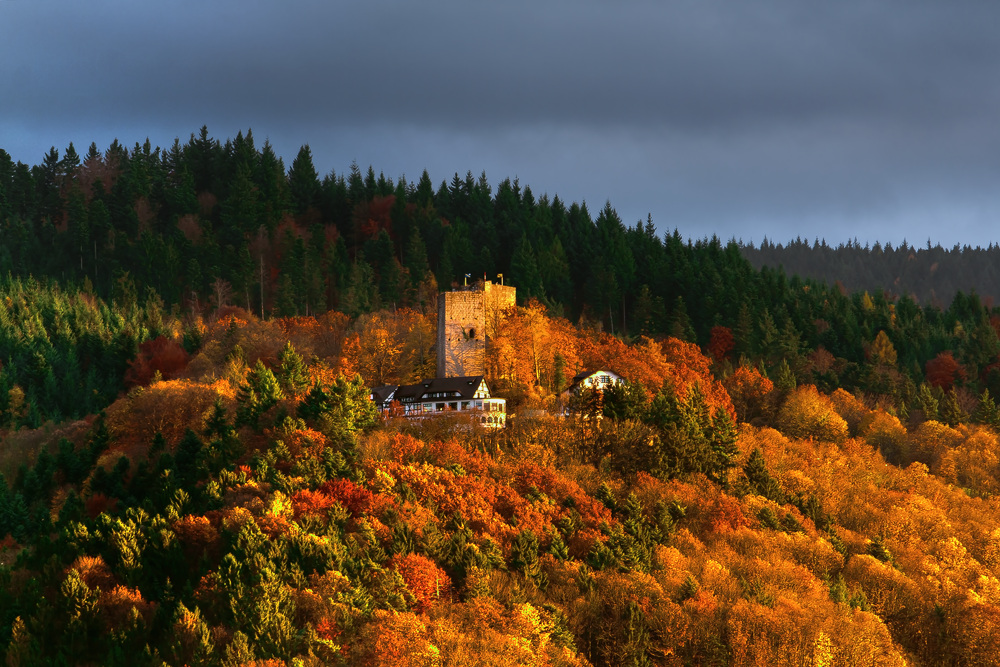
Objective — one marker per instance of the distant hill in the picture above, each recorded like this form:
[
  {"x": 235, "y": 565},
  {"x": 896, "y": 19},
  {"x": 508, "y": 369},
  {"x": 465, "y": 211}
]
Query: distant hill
[{"x": 931, "y": 275}]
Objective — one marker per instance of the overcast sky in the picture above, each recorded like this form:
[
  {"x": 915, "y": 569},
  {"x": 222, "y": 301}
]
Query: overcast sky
[{"x": 855, "y": 118}]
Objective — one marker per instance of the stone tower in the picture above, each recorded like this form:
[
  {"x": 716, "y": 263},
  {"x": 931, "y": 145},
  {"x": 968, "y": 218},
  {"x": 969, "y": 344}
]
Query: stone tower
[{"x": 465, "y": 318}]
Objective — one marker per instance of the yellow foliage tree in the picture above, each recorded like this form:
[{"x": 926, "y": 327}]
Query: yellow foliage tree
[{"x": 809, "y": 414}]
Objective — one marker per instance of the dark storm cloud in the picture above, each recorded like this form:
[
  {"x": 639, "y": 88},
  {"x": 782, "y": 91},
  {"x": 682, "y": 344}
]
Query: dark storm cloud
[{"x": 869, "y": 119}]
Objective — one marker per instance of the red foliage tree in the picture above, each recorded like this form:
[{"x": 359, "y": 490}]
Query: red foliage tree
[
  {"x": 160, "y": 354},
  {"x": 311, "y": 503},
  {"x": 721, "y": 343},
  {"x": 942, "y": 371},
  {"x": 357, "y": 499}
]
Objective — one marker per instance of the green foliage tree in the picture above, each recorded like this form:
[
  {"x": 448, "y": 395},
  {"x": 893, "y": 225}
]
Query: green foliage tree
[
  {"x": 759, "y": 478},
  {"x": 690, "y": 438},
  {"x": 292, "y": 373},
  {"x": 625, "y": 400},
  {"x": 341, "y": 409},
  {"x": 258, "y": 393}
]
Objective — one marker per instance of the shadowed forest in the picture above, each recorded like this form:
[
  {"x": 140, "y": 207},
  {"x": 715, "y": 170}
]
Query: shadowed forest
[
  {"x": 930, "y": 274},
  {"x": 191, "y": 471}
]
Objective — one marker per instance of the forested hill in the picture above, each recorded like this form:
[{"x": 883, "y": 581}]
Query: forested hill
[
  {"x": 189, "y": 230},
  {"x": 192, "y": 473},
  {"x": 206, "y": 223},
  {"x": 931, "y": 275}
]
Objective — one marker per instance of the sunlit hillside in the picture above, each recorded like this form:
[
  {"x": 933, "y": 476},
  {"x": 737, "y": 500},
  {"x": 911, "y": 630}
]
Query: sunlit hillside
[{"x": 244, "y": 503}]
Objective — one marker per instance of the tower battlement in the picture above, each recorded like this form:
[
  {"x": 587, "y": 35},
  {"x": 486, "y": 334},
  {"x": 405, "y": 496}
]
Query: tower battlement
[{"x": 465, "y": 319}]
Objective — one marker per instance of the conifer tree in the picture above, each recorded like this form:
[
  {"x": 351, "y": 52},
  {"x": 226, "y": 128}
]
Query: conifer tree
[
  {"x": 524, "y": 558},
  {"x": 927, "y": 403},
  {"x": 257, "y": 394},
  {"x": 986, "y": 411},
  {"x": 759, "y": 478},
  {"x": 303, "y": 182},
  {"x": 292, "y": 372},
  {"x": 950, "y": 411}
]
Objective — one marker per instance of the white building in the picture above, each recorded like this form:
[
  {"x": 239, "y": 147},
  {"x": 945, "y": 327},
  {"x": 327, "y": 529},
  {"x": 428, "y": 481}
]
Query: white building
[
  {"x": 443, "y": 395},
  {"x": 600, "y": 379}
]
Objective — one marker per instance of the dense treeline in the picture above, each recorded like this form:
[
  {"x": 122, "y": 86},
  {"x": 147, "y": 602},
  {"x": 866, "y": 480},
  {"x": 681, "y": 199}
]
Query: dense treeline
[
  {"x": 64, "y": 354},
  {"x": 930, "y": 275},
  {"x": 207, "y": 224}
]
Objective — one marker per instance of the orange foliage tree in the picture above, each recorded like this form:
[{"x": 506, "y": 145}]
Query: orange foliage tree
[
  {"x": 424, "y": 578},
  {"x": 748, "y": 389}
]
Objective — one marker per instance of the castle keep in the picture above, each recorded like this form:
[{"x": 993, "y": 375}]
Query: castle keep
[{"x": 465, "y": 317}]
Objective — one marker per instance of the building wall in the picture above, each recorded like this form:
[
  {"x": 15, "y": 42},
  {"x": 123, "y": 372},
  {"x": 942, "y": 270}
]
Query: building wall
[{"x": 465, "y": 318}]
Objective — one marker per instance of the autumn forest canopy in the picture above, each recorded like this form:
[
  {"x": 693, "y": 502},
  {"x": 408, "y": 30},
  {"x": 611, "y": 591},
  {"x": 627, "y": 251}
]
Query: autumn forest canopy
[{"x": 798, "y": 469}]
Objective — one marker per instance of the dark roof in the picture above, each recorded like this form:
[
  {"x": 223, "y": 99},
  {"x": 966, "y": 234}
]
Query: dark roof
[
  {"x": 580, "y": 377},
  {"x": 457, "y": 387},
  {"x": 586, "y": 374},
  {"x": 381, "y": 394}
]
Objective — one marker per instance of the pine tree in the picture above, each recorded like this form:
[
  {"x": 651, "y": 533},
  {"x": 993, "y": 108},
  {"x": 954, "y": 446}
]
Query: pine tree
[
  {"x": 690, "y": 438},
  {"x": 680, "y": 323},
  {"x": 951, "y": 411},
  {"x": 361, "y": 295},
  {"x": 416, "y": 258},
  {"x": 927, "y": 403},
  {"x": 293, "y": 376},
  {"x": 188, "y": 452},
  {"x": 986, "y": 411},
  {"x": 260, "y": 392},
  {"x": 524, "y": 558},
  {"x": 303, "y": 182},
  {"x": 759, "y": 478},
  {"x": 524, "y": 271}
]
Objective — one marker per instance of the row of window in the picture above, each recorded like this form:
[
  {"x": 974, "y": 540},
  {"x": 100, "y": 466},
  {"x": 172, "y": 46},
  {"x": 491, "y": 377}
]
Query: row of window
[{"x": 484, "y": 405}]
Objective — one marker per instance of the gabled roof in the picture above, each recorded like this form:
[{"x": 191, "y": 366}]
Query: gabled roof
[
  {"x": 455, "y": 388},
  {"x": 384, "y": 394},
  {"x": 583, "y": 375}
]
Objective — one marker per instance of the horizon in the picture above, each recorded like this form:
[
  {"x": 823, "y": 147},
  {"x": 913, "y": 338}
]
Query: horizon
[{"x": 286, "y": 158}]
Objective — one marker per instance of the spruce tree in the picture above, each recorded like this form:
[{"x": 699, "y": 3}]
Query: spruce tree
[
  {"x": 759, "y": 478},
  {"x": 260, "y": 392},
  {"x": 292, "y": 372},
  {"x": 986, "y": 411},
  {"x": 303, "y": 182}
]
